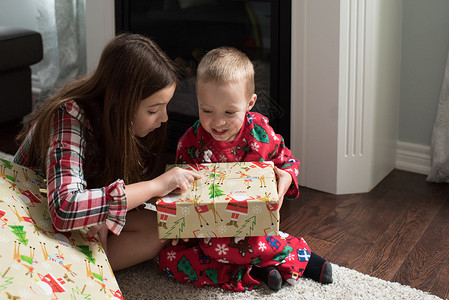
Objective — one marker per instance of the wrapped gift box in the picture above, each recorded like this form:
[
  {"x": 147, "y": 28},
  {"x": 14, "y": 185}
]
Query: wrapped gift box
[
  {"x": 231, "y": 199},
  {"x": 38, "y": 262}
]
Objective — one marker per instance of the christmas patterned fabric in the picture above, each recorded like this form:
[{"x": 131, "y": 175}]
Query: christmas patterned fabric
[
  {"x": 257, "y": 141},
  {"x": 37, "y": 262},
  {"x": 227, "y": 262}
]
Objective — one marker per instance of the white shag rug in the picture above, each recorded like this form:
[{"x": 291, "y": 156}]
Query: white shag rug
[{"x": 144, "y": 281}]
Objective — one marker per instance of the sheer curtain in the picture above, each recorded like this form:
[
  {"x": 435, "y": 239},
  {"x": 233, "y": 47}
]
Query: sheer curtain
[
  {"x": 440, "y": 136},
  {"x": 62, "y": 26}
]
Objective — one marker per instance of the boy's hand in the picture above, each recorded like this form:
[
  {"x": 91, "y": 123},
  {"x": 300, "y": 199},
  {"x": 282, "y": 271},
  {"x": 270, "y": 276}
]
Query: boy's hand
[
  {"x": 284, "y": 180},
  {"x": 174, "y": 242}
]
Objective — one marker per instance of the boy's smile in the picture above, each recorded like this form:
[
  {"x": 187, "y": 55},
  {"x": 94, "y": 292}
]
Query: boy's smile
[
  {"x": 219, "y": 132},
  {"x": 222, "y": 108}
]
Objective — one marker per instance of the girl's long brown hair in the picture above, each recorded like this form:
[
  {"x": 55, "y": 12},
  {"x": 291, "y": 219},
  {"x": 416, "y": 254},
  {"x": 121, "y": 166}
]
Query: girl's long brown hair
[{"x": 131, "y": 68}]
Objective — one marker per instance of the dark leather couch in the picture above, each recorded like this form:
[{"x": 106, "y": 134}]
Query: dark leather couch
[{"x": 19, "y": 48}]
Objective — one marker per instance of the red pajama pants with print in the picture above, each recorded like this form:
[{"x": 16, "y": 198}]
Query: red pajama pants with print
[{"x": 227, "y": 262}]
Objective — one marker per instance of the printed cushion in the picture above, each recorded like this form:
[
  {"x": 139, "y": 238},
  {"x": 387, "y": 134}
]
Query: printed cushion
[{"x": 37, "y": 262}]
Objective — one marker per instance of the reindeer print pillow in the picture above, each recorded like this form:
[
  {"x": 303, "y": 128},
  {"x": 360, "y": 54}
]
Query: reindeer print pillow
[{"x": 36, "y": 262}]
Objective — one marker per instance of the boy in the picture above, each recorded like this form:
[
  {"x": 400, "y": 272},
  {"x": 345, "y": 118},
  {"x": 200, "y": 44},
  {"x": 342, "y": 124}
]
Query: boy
[{"x": 228, "y": 132}]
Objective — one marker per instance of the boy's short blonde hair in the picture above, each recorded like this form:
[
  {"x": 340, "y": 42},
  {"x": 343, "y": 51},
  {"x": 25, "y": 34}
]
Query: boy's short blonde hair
[{"x": 227, "y": 65}]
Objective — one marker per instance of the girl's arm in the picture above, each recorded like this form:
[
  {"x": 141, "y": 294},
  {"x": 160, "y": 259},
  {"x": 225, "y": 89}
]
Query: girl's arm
[{"x": 71, "y": 204}]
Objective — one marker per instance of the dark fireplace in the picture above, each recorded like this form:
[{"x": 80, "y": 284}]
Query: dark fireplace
[{"x": 187, "y": 29}]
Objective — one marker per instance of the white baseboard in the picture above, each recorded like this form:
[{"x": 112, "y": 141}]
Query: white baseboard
[{"x": 413, "y": 158}]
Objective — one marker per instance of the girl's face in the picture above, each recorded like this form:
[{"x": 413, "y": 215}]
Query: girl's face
[
  {"x": 222, "y": 108},
  {"x": 152, "y": 112}
]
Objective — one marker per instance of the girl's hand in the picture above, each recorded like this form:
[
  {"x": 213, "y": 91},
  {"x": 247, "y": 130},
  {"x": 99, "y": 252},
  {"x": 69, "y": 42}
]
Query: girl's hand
[
  {"x": 176, "y": 180},
  {"x": 102, "y": 232},
  {"x": 284, "y": 181}
]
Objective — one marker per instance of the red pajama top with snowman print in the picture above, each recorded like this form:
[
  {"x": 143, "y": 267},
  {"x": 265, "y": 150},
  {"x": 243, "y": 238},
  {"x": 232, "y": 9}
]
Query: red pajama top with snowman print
[{"x": 227, "y": 262}]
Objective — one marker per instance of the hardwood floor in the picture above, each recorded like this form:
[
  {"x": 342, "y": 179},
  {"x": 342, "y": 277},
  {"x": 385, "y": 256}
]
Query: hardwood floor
[{"x": 397, "y": 232}]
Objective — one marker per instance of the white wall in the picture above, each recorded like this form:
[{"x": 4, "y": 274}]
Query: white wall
[
  {"x": 425, "y": 41},
  {"x": 425, "y": 45}
]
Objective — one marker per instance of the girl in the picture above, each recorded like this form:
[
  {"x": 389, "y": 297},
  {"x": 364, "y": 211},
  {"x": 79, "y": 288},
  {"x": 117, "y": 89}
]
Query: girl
[{"x": 95, "y": 142}]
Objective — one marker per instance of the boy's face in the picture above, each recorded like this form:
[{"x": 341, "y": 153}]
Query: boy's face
[
  {"x": 222, "y": 108},
  {"x": 152, "y": 112}
]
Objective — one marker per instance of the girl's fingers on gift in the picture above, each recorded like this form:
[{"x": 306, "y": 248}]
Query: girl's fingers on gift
[
  {"x": 184, "y": 178},
  {"x": 183, "y": 184},
  {"x": 195, "y": 175},
  {"x": 176, "y": 191}
]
